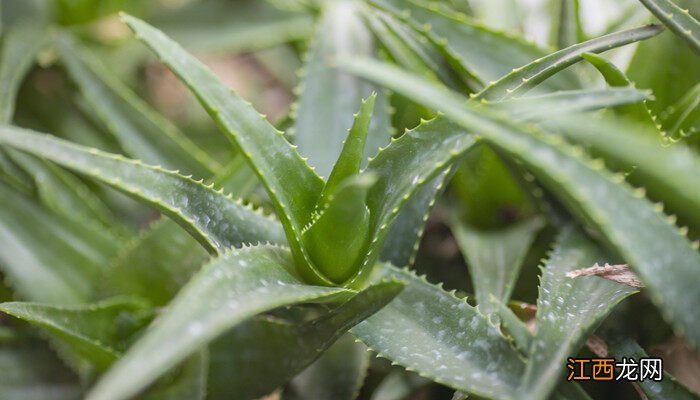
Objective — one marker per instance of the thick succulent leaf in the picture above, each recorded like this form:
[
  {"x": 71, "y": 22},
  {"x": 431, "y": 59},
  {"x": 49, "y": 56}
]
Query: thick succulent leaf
[
  {"x": 669, "y": 173},
  {"x": 65, "y": 194},
  {"x": 683, "y": 117},
  {"x": 232, "y": 27},
  {"x": 293, "y": 187},
  {"x": 214, "y": 219},
  {"x": 430, "y": 331},
  {"x": 655, "y": 248},
  {"x": 404, "y": 236},
  {"x": 543, "y": 106},
  {"x": 568, "y": 311},
  {"x": 528, "y": 76},
  {"x": 479, "y": 52},
  {"x": 31, "y": 371},
  {"x": 495, "y": 257},
  {"x": 188, "y": 381},
  {"x": 139, "y": 129},
  {"x": 337, "y": 375},
  {"x": 47, "y": 257},
  {"x": 667, "y": 388},
  {"x": 95, "y": 333},
  {"x": 14, "y": 176},
  {"x": 668, "y": 80},
  {"x": 327, "y": 93},
  {"x": 20, "y": 44},
  {"x": 270, "y": 349},
  {"x": 676, "y": 19},
  {"x": 233, "y": 288},
  {"x": 352, "y": 154},
  {"x": 402, "y": 168},
  {"x": 567, "y": 29}
]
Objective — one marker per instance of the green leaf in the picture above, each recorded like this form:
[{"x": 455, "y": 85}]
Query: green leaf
[
  {"x": 568, "y": 311},
  {"x": 47, "y": 257},
  {"x": 20, "y": 44},
  {"x": 189, "y": 381},
  {"x": 337, "y": 375},
  {"x": 528, "y": 76},
  {"x": 397, "y": 386},
  {"x": 495, "y": 257},
  {"x": 683, "y": 117},
  {"x": 570, "y": 101},
  {"x": 351, "y": 156},
  {"x": 237, "y": 286},
  {"x": 139, "y": 129},
  {"x": 678, "y": 20},
  {"x": 339, "y": 253},
  {"x": 402, "y": 168},
  {"x": 479, "y": 52},
  {"x": 93, "y": 333},
  {"x": 667, "y": 388},
  {"x": 567, "y": 30},
  {"x": 630, "y": 224},
  {"x": 222, "y": 26},
  {"x": 293, "y": 187},
  {"x": 439, "y": 336},
  {"x": 31, "y": 371},
  {"x": 270, "y": 349},
  {"x": 211, "y": 217},
  {"x": 327, "y": 93},
  {"x": 669, "y": 173}
]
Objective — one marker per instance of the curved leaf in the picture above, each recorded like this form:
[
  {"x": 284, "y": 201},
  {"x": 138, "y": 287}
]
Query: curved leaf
[
  {"x": 20, "y": 44},
  {"x": 676, "y": 19},
  {"x": 495, "y": 257},
  {"x": 293, "y": 187},
  {"x": 528, "y": 76},
  {"x": 270, "y": 348},
  {"x": 233, "y": 288},
  {"x": 432, "y": 332},
  {"x": 213, "y": 218},
  {"x": 139, "y": 129},
  {"x": 646, "y": 238},
  {"x": 568, "y": 311}
]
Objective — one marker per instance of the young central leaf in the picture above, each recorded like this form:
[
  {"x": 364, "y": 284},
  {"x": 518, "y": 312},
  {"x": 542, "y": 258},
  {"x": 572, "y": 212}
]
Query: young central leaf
[{"x": 337, "y": 237}]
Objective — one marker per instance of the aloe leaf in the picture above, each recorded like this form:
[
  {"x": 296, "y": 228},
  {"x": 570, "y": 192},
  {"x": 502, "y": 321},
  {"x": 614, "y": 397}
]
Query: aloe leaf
[
  {"x": 683, "y": 117},
  {"x": 270, "y": 350},
  {"x": 321, "y": 117},
  {"x": 337, "y": 375},
  {"x": 570, "y": 101},
  {"x": 669, "y": 173},
  {"x": 404, "y": 236},
  {"x": 669, "y": 81},
  {"x": 352, "y": 155},
  {"x": 402, "y": 168},
  {"x": 211, "y": 217},
  {"x": 188, "y": 381},
  {"x": 223, "y": 27},
  {"x": 65, "y": 194},
  {"x": 233, "y": 288},
  {"x": 656, "y": 249},
  {"x": 64, "y": 267},
  {"x": 439, "y": 336},
  {"x": 398, "y": 385},
  {"x": 31, "y": 371},
  {"x": 20, "y": 44},
  {"x": 479, "y": 52},
  {"x": 667, "y": 388},
  {"x": 567, "y": 29},
  {"x": 96, "y": 333},
  {"x": 495, "y": 257},
  {"x": 676, "y": 19},
  {"x": 293, "y": 187},
  {"x": 568, "y": 311},
  {"x": 528, "y": 76},
  {"x": 139, "y": 129}
]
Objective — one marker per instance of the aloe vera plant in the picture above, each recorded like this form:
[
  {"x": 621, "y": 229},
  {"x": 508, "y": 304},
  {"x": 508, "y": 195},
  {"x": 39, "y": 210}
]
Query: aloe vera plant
[{"x": 166, "y": 249}]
